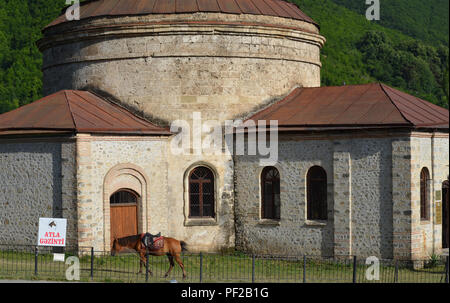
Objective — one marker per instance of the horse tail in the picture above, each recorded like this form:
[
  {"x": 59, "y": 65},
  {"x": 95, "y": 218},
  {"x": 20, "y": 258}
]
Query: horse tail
[{"x": 183, "y": 246}]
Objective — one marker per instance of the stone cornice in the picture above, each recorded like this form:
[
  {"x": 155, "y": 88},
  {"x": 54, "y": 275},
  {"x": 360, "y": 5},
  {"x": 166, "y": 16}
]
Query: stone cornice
[
  {"x": 109, "y": 32},
  {"x": 98, "y": 29}
]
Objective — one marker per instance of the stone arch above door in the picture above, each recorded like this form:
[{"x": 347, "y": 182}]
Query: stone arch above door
[{"x": 129, "y": 177}]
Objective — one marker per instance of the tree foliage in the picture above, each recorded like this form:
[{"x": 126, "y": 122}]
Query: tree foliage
[
  {"x": 423, "y": 20},
  {"x": 21, "y": 22},
  {"x": 362, "y": 51},
  {"x": 407, "y": 49}
]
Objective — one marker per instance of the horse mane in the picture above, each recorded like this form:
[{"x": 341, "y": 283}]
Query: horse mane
[{"x": 128, "y": 240}]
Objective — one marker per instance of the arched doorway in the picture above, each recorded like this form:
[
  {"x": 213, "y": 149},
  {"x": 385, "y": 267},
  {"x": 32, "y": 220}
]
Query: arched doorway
[
  {"x": 124, "y": 213},
  {"x": 445, "y": 214}
]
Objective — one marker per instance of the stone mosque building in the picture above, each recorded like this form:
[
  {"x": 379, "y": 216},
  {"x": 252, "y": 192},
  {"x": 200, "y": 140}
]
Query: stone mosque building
[{"x": 361, "y": 169}]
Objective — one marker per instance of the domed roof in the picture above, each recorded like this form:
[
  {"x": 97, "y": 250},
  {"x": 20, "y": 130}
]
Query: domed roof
[{"x": 99, "y": 8}]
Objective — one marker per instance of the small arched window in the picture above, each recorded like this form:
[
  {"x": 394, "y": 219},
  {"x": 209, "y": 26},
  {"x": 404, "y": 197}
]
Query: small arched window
[
  {"x": 424, "y": 200},
  {"x": 201, "y": 193},
  {"x": 124, "y": 196},
  {"x": 316, "y": 194},
  {"x": 270, "y": 196}
]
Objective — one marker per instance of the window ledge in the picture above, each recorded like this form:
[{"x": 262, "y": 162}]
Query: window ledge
[
  {"x": 316, "y": 222},
  {"x": 200, "y": 222},
  {"x": 269, "y": 222}
]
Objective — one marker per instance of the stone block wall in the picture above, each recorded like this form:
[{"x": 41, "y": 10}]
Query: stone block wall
[
  {"x": 292, "y": 234},
  {"x": 441, "y": 172},
  {"x": 207, "y": 234},
  {"x": 129, "y": 161},
  {"x": 401, "y": 197},
  {"x": 428, "y": 150},
  {"x": 147, "y": 166},
  {"x": 359, "y": 198},
  {"x": 37, "y": 179},
  {"x": 371, "y": 196}
]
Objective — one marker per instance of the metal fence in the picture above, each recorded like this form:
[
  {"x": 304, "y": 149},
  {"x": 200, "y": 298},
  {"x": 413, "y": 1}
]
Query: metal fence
[{"x": 38, "y": 263}]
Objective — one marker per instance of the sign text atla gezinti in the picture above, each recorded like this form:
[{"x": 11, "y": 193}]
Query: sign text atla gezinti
[{"x": 52, "y": 232}]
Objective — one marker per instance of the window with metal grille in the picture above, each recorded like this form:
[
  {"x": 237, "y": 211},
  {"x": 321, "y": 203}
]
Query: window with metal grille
[
  {"x": 201, "y": 193},
  {"x": 316, "y": 194},
  {"x": 424, "y": 202},
  {"x": 123, "y": 196},
  {"x": 270, "y": 195}
]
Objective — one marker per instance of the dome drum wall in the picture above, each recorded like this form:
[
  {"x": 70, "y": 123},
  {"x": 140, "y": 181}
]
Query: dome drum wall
[{"x": 168, "y": 66}]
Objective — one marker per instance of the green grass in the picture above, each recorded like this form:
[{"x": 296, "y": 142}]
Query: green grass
[{"x": 236, "y": 267}]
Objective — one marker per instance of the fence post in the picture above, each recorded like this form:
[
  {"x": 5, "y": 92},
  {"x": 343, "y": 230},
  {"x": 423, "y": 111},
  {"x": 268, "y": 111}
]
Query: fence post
[
  {"x": 446, "y": 270},
  {"x": 36, "y": 253},
  {"x": 396, "y": 272},
  {"x": 146, "y": 266},
  {"x": 304, "y": 269},
  {"x": 354, "y": 269},
  {"x": 253, "y": 268},
  {"x": 92, "y": 263},
  {"x": 201, "y": 267}
]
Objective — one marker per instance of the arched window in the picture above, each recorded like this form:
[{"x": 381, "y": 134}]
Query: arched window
[
  {"x": 270, "y": 196},
  {"x": 123, "y": 196},
  {"x": 201, "y": 193},
  {"x": 424, "y": 200},
  {"x": 316, "y": 194}
]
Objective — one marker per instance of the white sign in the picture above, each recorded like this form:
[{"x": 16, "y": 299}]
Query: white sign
[
  {"x": 52, "y": 232},
  {"x": 58, "y": 257}
]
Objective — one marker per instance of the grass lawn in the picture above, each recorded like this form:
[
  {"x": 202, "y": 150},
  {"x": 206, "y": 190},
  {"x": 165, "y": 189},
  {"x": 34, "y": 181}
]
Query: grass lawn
[{"x": 235, "y": 267}]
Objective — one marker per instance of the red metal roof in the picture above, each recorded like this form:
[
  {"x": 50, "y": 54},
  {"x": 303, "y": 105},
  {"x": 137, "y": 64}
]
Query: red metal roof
[
  {"x": 368, "y": 105},
  {"x": 277, "y": 8},
  {"x": 78, "y": 111}
]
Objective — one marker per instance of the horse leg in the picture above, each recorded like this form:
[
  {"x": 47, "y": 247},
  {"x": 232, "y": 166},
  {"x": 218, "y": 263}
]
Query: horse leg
[
  {"x": 178, "y": 259},
  {"x": 148, "y": 268},
  {"x": 171, "y": 265},
  {"x": 140, "y": 263}
]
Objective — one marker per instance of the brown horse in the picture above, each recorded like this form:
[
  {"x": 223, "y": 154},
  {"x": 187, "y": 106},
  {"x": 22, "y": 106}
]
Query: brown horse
[{"x": 172, "y": 249}]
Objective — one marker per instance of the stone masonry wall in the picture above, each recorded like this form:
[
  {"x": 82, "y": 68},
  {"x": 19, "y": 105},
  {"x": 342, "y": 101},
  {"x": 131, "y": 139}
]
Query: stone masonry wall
[
  {"x": 146, "y": 165},
  {"x": 401, "y": 197},
  {"x": 440, "y": 148},
  {"x": 97, "y": 158},
  {"x": 359, "y": 199},
  {"x": 372, "y": 225},
  {"x": 37, "y": 179},
  {"x": 430, "y": 151},
  {"x": 293, "y": 234},
  {"x": 201, "y": 234}
]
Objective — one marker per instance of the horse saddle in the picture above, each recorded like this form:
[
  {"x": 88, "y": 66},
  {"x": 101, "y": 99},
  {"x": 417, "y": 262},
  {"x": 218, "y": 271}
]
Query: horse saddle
[{"x": 153, "y": 242}]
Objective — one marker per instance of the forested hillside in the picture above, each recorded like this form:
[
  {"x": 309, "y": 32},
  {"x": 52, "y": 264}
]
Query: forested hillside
[
  {"x": 21, "y": 22},
  {"x": 407, "y": 48},
  {"x": 424, "y": 20},
  {"x": 362, "y": 51}
]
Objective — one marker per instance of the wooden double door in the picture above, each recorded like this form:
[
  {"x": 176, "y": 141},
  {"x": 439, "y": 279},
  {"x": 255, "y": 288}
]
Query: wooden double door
[{"x": 124, "y": 214}]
